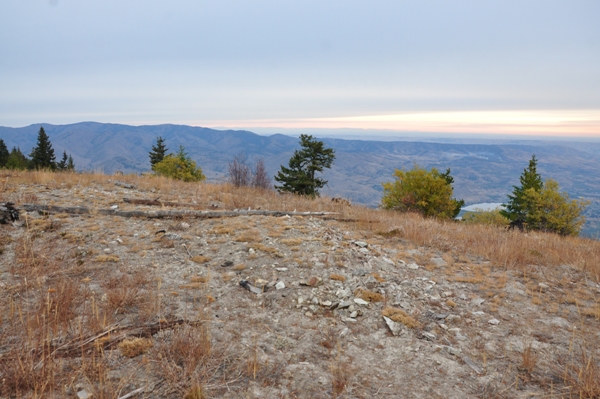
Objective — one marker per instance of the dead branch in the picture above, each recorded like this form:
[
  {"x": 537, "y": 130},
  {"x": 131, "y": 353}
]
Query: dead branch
[
  {"x": 163, "y": 214},
  {"x": 157, "y": 202}
]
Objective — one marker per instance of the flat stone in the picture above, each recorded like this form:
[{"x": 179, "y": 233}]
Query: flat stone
[
  {"x": 396, "y": 328},
  {"x": 478, "y": 313},
  {"x": 280, "y": 285},
  {"x": 412, "y": 266},
  {"x": 344, "y": 304},
  {"x": 360, "y": 301},
  {"x": 494, "y": 322},
  {"x": 361, "y": 244},
  {"x": 354, "y": 314}
]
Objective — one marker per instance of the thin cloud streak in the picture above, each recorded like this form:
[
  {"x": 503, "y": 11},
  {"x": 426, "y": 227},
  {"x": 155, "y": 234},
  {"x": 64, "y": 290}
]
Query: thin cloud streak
[{"x": 576, "y": 123}]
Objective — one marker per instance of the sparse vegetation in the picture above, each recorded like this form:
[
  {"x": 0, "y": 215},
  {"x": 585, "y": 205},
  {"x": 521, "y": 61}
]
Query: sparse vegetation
[{"x": 159, "y": 321}]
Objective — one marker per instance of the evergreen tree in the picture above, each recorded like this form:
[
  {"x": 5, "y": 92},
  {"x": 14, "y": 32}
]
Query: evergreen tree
[
  {"x": 70, "y": 164},
  {"x": 42, "y": 155},
  {"x": 516, "y": 208},
  {"x": 158, "y": 153},
  {"x": 3, "y": 154},
  {"x": 62, "y": 165},
  {"x": 17, "y": 160},
  {"x": 299, "y": 177}
]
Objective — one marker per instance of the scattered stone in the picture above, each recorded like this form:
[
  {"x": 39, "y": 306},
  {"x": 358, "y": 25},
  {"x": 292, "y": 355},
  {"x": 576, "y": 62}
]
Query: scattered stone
[
  {"x": 412, "y": 266},
  {"x": 543, "y": 286},
  {"x": 371, "y": 282},
  {"x": 494, "y": 322},
  {"x": 280, "y": 285},
  {"x": 227, "y": 264},
  {"x": 114, "y": 207},
  {"x": 172, "y": 236},
  {"x": 395, "y": 327},
  {"x": 326, "y": 303},
  {"x": 472, "y": 364},
  {"x": 478, "y": 313},
  {"x": 360, "y": 301},
  {"x": 354, "y": 314},
  {"x": 477, "y": 301},
  {"x": 344, "y": 305},
  {"x": 447, "y": 294},
  {"x": 429, "y": 336},
  {"x": 361, "y": 244},
  {"x": 245, "y": 284},
  {"x": 84, "y": 394},
  {"x": 251, "y": 251},
  {"x": 281, "y": 269},
  {"x": 452, "y": 350},
  {"x": 436, "y": 316}
]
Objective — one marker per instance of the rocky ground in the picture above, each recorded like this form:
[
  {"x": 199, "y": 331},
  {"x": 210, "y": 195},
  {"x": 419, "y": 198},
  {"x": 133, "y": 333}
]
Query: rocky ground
[{"x": 276, "y": 307}]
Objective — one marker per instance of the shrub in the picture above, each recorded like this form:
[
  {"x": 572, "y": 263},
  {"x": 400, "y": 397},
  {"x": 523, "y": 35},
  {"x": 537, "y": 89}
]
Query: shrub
[
  {"x": 493, "y": 218},
  {"x": 426, "y": 192},
  {"x": 179, "y": 166}
]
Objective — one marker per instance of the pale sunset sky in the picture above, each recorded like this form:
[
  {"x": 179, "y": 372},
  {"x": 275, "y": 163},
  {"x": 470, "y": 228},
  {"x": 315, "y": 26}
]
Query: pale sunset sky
[{"x": 473, "y": 67}]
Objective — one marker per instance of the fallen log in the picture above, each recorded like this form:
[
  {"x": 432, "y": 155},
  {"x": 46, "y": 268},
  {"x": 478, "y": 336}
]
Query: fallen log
[
  {"x": 8, "y": 212},
  {"x": 158, "y": 202},
  {"x": 165, "y": 214}
]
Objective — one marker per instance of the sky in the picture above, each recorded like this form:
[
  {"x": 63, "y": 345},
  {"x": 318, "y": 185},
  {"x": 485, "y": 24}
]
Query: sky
[{"x": 473, "y": 67}]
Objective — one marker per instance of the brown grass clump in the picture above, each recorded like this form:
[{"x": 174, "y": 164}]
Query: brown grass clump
[
  {"x": 199, "y": 279},
  {"x": 291, "y": 242},
  {"x": 581, "y": 373},
  {"x": 368, "y": 296},
  {"x": 377, "y": 277},
  {"x": 200, "y": 259},
  {"x": 400, "y": 316},
  {"x": 135, "y": 346},
  {"x": 195, "y": 392},
  {"x": 338, "y": 277},
  {"x": 106, "y": 258},
  {"x": 239, "y": 267}
]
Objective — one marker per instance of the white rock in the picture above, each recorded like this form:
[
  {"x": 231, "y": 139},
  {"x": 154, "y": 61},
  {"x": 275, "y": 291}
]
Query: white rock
[
  {"x": 361, "y": 244},
  {"x": 494, "y": 321},
  {"x": 83, "y": 394},
  {"x": 395, "y": 328},
  {"x": 412, "y": 266},
  {"x": 280, "y": 285},
  {"x": 360, "y": 301}
]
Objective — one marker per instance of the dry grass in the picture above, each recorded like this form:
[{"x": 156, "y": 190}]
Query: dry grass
[
  {"x": 368, "y": 296},
  {"x": 106, "y": 258},
  {"x": 400, "y": 316},
  {"x": 200, "y": 259},
  {"x": 338, "y": 277},
  {"x": 61, "y": 295},
  {"x": 135, "y": 346}
]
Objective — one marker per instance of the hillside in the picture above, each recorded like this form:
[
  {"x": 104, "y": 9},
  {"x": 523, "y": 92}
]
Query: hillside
[
  {"x": 483, "y": 172},
  {"x": 348, "y": 302}
]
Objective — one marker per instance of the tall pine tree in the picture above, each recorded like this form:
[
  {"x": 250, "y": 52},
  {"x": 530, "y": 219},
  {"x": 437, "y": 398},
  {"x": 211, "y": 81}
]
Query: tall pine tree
[
  {"x": 3, "y": 154},
  {"x": 42, "y": 155},
  {"x": 158, "y": 152},
  {"x": 300, "y": 176},
  {"x": 517, "y": 207}
]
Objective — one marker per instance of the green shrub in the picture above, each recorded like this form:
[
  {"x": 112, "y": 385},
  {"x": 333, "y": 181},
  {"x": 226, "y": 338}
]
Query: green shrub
[{"x": 179, "y": 166}]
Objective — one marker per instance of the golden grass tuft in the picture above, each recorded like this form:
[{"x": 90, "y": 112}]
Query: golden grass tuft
[
  {"x": 135, "y": 346},
  {"x": 400, "y": 316},
  {"x": 338, "y": 277},
  {"x": 368, "y": 296},
  {"x": 200, "y": 259},
  {"x": 106, "y": 258}
]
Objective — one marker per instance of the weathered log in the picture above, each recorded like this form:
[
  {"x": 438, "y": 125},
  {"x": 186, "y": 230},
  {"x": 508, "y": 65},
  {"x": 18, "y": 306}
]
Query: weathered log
[
  {"x": 158, "y": 202},
  {"x": 8, "y": 212},
  {"x": 123, "y": 184},
  {"x": 164, "y": 214}
]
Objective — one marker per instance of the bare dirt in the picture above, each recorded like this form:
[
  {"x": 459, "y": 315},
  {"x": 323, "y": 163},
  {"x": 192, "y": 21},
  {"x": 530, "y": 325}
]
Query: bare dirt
[{"x": 277, "y": 307}]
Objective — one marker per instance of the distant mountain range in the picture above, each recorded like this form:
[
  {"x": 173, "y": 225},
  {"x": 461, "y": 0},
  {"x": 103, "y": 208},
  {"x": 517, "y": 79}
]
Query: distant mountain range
[{"x": 482, "y": 172}]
